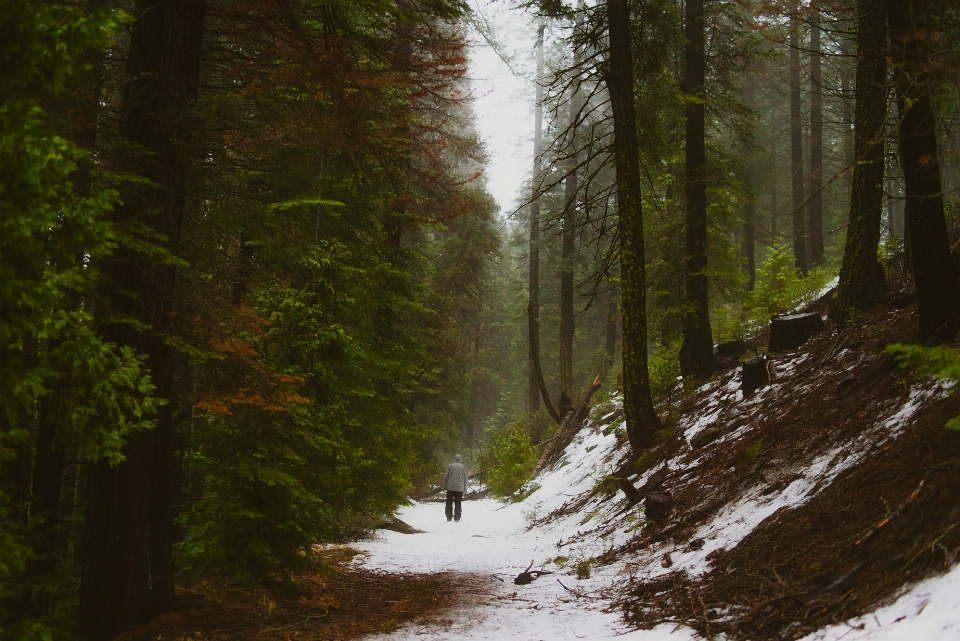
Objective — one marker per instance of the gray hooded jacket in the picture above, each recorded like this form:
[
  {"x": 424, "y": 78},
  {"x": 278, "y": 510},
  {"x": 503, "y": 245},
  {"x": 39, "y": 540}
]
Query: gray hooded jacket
[{"x": 456, "y": 476}]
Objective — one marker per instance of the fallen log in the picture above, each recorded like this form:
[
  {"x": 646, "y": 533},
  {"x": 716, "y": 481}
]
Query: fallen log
[
  {"x": 534, "y": 340},
  {"x": 633, "y": 494},
  {"x": 568, "y": 428}
]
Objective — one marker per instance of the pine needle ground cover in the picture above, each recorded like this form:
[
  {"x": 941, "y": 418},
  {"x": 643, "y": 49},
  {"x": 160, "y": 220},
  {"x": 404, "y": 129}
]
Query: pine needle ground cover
[
  {"x": 331, "y": 599},
  {"x": 840, "y": 484}
]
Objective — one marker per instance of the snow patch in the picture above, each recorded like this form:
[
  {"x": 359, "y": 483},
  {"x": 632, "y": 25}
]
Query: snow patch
[
  {"x": 495, "y": 539},
  {"x": 927, "y": 611}
]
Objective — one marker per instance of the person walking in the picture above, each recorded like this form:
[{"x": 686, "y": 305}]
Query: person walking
[{"x": 455, "y": 483}]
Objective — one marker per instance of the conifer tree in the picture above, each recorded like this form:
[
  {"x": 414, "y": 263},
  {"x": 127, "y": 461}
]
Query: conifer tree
[
  {"x": 642, "y": 419},
  {"x": 938, "y": 287},
  {"x": 696, "y": 353},
  {"x": 857, "y": 289}
]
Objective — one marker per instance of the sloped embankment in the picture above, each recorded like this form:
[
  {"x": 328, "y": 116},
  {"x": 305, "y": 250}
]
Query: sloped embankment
[{"x": 810, "y": 503}]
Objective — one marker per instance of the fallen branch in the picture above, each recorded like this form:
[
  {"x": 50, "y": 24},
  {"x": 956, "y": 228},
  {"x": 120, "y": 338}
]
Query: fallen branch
[
  {"x": 570, "y": 425},
  {"x": 885, "y": 522},
  {"x": 534, "y": 339},
  {"x": 527, "y": 576}
]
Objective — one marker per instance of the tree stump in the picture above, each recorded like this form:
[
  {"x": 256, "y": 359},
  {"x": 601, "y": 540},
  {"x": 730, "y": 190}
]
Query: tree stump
[
  {"x": 792, "y": 331},
  {"x": 658, "y": 505},
  {"x": 705, "y": 437},
  {"x": 754, "y": 375},
  {"x": 735, "y": 349}
]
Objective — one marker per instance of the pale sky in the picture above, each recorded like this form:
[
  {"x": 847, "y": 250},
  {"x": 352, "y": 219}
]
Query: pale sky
[{"x": 503, "y": 102}]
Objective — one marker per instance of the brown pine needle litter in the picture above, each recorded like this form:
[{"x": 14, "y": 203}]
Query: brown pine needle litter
[{"x": 333, "y": 599}]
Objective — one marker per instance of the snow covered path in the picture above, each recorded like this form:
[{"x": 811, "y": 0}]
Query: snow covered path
[{"x": 491, "y": 539}]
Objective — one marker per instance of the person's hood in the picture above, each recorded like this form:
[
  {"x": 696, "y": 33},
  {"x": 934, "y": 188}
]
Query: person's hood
[{"x": 458, "y": 458}]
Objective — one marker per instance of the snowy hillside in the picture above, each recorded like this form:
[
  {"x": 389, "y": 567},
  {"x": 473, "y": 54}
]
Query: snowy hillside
[{"x": 735, "y": 495}]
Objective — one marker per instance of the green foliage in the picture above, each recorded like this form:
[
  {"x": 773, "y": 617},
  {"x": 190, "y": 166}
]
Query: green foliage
[
  {"x": 664, "y": 364},
  {"x": 752, "y": 451},
  {"x": 581, "y": 569},
  {"x": 943, "y": 362},
  {"x": 779, "y": 289},
  {"x": 889, "y": 248},
  {"x": 255, "y": 510},
  {"x": 513, "y": 459},
  {"x": 94, "y": 392}
]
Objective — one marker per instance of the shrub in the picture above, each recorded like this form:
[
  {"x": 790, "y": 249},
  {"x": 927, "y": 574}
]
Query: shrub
[
  {"x": 779, "y": 288},
  {"x": 664, "y": 365},
  {"x": 943, "y": 362},
  {"x": 582, "y": 569},
  {"x": 513, "y": 459}
]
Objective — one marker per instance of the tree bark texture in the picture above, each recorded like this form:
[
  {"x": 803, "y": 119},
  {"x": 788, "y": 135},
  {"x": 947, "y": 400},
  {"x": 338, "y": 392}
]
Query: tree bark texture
[
  {"x": 127, "y": 575},
  {"x": 816, "y": 141},
  {"x": 857, "y": 287},
  {"x": 642, "y": 420},
  {"x": 533, "y": 284},
  {"x": 568, "y": 249},
  {"x": 696, "y": 353},
  {"x": 750, "y": 243},
  {"x": 611, "y": 342},
  {"x": 800, "y": 244},
  {"x": 938, "y": 288},
  {"x": 774, "y": 206}
]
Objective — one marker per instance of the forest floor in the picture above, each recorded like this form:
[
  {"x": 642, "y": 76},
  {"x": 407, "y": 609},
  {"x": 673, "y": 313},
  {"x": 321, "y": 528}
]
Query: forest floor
[
  {"x": 333, "y": 598},
  {"x": 825, "y": 506}
]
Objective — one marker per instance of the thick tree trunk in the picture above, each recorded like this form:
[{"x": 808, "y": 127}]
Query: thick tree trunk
[
  {"x": 816, "y": 142},
  {"x": 567, "y": 328},
  {"x": 642, "y": 420},
  {"x": 857, "y": 289},
  {"x": 696, "y": 353},
  {"x": 938, "y": 288},
  {"x": 127, "y": 576},
  {"x": 750, "y": 244},
  {"x": 774, "y": 206},
  {"x": 800, "y": 244},
  {"x": 611, "y": 343},
  {"x": 533, "y": 381}
]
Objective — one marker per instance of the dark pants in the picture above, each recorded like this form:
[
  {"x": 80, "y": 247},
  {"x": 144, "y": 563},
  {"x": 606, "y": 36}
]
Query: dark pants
[{"x": 453, "y": 498}]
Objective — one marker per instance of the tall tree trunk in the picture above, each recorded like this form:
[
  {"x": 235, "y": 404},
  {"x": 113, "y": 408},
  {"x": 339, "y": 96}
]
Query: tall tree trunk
[
  {"x": 642, "y": 419},
  {"x": 816, "y": 141},
  {"x": 938, "y": 288},
  {"x": 800, "y": 244},
  {"x": 774, "y": 207},
  {"x": 611, "y": 343},
  {"x": 533, "y": 365},
  {"x": 857, "y": 287},
  {"x": 750, "y": 243},
  {"x": 567, "y": 328},
  {"x": 696, "y": 353},
  {"x": 127, "y": 576}
]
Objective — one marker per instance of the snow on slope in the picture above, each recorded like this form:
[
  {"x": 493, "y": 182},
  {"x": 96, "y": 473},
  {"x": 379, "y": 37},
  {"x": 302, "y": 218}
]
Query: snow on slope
[
  {"x": 927, "y": 611},
  {"x": 494, "y": 539}
]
